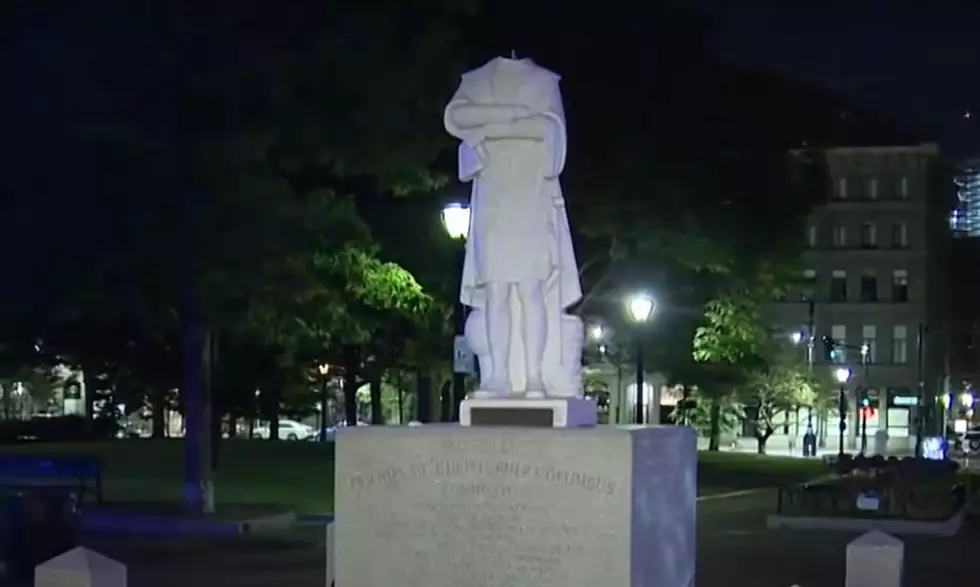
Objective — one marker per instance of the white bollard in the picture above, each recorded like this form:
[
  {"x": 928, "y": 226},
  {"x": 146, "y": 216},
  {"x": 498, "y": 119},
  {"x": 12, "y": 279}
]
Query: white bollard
[
  {"x": 80, "y": 567},
  {"x": 875, "y": 560}
]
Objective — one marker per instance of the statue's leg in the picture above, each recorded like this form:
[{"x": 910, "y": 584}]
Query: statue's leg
[
  {"x": 535, "y": 332},
  {"x": 498, "y": 335}
]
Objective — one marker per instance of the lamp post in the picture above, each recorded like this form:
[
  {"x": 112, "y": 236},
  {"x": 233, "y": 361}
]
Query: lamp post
[
  {"x": 809, "y": 438},
  {"x": 323, "y": 369},
  {"x": 841, "y": 374},
  {"x": 641, "y": 307},
  {"x": 456, "y": 221}
]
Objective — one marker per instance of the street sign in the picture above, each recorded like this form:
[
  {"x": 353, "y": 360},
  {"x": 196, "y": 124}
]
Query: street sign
[{"x": 464, "y": 360}]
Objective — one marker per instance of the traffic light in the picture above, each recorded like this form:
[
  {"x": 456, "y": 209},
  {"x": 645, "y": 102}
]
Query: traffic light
[
  {"x": 832, "y": 353},
  {"x": 863, "y": 400}
]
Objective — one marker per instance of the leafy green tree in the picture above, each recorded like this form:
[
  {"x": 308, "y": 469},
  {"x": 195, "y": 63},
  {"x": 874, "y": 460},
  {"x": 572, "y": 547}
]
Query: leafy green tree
[
  {"x": 777, "y": 387},
  {"x": 725, "y": 349}
]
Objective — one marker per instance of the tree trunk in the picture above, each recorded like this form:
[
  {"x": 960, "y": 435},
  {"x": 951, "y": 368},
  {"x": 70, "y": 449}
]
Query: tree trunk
[
  {"x": 158, "y": 412},
  {"x": 714, "y": 428},
  {"x": 274, "y": 397},
  {"x": 198, "y": 477},
  {"x": 445, "y": 401},
  {"x": 88, "y": 384},
  {"x": 216, "y": 433},
  {"x": 762, "y": 439},
  {"x": 233, "y": 418},
  {"x": 350, "y": 366},
  {"x": 377, "y": 410},
  {"x": 401, "y": 398},
  {"x": 423, "y": 395}
]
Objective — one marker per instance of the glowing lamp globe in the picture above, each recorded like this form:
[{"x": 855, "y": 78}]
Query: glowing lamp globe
[
  {"x": 842, "y": 374},
  {"x": 641, "y": 307},
  {"x": 456, "y": 220}
]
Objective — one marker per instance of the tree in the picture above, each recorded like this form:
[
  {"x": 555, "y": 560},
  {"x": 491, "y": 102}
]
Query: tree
[
  {"x": 725, "y": 349},
  {"x": 201, "y": 148},
  {"x": 776, "y": 387}
]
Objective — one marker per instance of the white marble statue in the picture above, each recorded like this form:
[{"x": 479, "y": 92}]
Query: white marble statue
[{"x": 520, "y": 273}]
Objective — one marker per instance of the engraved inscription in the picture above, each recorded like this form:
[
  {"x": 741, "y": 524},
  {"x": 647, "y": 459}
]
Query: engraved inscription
[
  {"x": 488, "y": 521},
  {"x": 393, "y": 475}
]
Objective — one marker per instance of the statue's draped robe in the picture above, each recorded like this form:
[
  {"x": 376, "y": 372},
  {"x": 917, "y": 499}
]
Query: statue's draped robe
[{"x": 518, "y": 224}]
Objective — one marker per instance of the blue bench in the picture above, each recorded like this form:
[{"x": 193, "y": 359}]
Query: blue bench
[{"x": 21, "y": 472}]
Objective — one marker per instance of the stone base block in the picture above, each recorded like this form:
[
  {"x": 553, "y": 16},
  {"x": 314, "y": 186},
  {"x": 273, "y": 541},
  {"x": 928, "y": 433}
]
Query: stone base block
[
  {"x": 484, "y": 506},
  {"x": 544, "y": 412}
]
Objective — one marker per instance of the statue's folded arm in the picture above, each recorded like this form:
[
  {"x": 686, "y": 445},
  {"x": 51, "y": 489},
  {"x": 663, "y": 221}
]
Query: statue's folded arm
[{"x": 466, "y": 115}]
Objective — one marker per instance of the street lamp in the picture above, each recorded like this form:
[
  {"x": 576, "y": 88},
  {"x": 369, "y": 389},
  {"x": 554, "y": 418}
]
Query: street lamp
[
  {"x": 323, "y": 369},
  {"x": 597, "y": 332},
  {"x": 841, "y": 374},
  {"x": 641, "y": 307},
  {"x": 456, "y": 221},
  {"x": 796, "y": 337}
]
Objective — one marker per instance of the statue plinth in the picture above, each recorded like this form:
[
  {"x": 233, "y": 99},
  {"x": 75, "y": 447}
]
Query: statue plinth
[{"x": 549, "y": 412}]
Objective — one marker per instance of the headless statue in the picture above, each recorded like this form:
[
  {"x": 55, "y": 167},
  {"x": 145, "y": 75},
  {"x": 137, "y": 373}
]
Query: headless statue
[{"x": 520, "y": 273}]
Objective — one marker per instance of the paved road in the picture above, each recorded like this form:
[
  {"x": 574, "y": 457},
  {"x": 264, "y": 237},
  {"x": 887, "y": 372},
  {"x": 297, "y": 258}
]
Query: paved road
[{"x": 734, "y": 547}]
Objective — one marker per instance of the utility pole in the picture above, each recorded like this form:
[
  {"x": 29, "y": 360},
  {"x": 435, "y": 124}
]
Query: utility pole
[
  {"x": 809, "y": 438},
  {"x": 921, "y": 404}
]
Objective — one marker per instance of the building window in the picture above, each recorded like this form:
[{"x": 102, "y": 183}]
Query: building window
[
  {"x": 838, "y": 332},
  {"x": 900, "y": 235},
  {"x": 840, "y": 236},
  {"x": 842, "y": 188},
  {"x": 869, "y": 235},
  {"x": 811, "y": 236},
  {"x": 838, "y": 286},
  {"x": 873, "y": 188},
  {"x": 900, "y": 285},
  {"x": 809, "y": 284},
  {"x": 900, "y": 344},
  {"x": 869, "y": 336},
  {"x": 903, "y": 189},
  {"x": 869, "y": 287}
]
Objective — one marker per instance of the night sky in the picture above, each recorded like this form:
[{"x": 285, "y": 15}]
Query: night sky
[{"x": 916, "y": 62}]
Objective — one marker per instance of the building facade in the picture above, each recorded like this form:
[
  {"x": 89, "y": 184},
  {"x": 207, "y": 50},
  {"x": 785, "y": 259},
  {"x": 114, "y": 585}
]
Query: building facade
[
  {"x": 964, "y": 220},
  {"x": 874, "y": 276}
]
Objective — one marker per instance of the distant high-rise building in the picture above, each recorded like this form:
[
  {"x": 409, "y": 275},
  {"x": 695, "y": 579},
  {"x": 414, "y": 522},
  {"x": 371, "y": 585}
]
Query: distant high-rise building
[{"x": 964, "y": 220}]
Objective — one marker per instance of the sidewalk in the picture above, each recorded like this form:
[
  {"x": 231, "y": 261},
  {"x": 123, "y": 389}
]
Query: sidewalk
[{"x": 749, "y": 445}]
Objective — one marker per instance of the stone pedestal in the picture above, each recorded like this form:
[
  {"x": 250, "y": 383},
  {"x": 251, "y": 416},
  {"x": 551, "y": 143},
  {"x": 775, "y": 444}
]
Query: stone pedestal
[
  {"x": 445, "y": 506},
  {"x": 875, "y": 560},
  {"x": 545, "y": 412}
]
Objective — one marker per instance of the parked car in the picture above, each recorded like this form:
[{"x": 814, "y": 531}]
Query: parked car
[
  {"x": 971, "y": 438},
  {"x": 288, "y": 430}
]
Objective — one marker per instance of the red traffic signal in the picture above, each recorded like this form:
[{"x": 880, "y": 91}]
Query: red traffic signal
[{"x": 867, "y": 412}]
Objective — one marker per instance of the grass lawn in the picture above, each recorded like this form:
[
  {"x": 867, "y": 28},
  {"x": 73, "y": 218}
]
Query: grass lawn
[
  {"x": 721, "y": 472},
  {"x": 299, "y": 475}
]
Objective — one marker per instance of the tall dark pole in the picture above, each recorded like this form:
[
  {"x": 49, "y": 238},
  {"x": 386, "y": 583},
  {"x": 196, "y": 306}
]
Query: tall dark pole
[
  {"x": 921, "y": 403},
  {"x": 866, "y": 356},
  {"x": 864, "y": 429},
  {"x": 459, "y": 327},
  {"x": 842, "y": 415},
  {"x": 323, "y": 409},
  {"x": 639, "y": 383},
  {"x": 811, "y": 335}
]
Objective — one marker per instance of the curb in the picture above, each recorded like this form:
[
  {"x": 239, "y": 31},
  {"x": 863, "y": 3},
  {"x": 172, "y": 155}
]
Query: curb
[
  {"x": 734, "y": 494},
  {"x": 314, "y": 518},
  {"x": 141, "y": 523}
]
